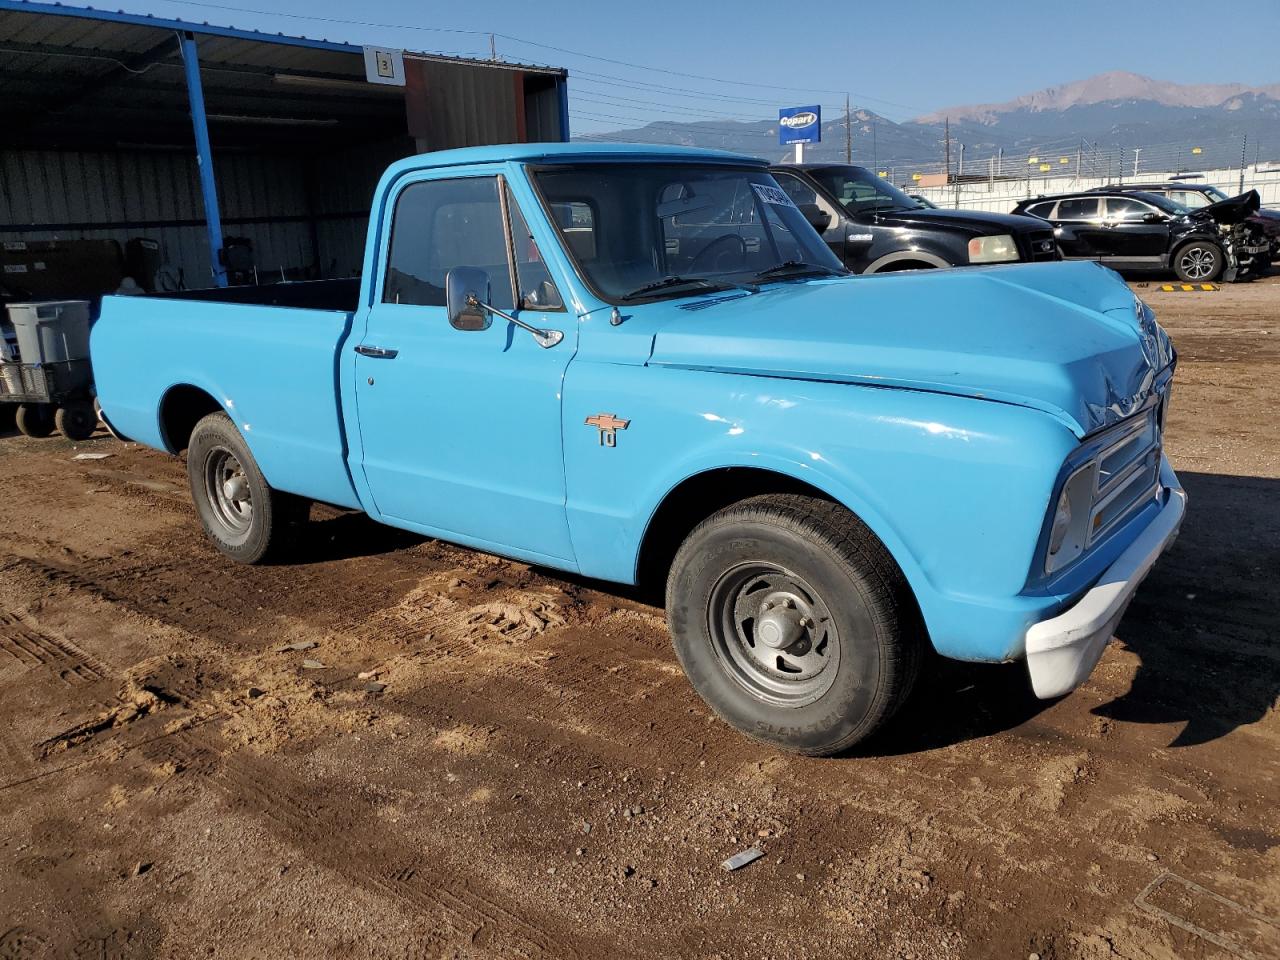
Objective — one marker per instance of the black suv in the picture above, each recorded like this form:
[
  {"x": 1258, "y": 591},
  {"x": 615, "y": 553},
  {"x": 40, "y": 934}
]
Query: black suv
[
  {"x": 1193, "y": 196},
  {"x": 874, "y": 227},
  {"x": 1145, "y": 231}
]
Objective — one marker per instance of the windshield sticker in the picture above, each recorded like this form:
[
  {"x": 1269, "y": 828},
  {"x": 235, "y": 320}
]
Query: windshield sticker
[{"x": 772, "y": 194}]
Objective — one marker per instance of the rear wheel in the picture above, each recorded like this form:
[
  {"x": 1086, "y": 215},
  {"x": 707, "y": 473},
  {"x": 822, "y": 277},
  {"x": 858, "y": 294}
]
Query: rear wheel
[
  {"x": 34, "y": 419},
  {"x": 76, "y": 420},
  {"x": 1199, "y": 262},
  {"x": 244, "y": 517},
  {"x": 793, "y": 623}
]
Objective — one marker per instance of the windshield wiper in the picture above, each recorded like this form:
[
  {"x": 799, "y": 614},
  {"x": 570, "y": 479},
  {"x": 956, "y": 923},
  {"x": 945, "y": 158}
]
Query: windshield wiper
[
  {"x": 702, "y": 283},
  {"x": 796, "y": 268}
]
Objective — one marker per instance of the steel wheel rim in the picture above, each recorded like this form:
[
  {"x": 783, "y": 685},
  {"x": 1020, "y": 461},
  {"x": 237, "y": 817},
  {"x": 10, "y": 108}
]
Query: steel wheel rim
[
  {"x": 774, "y": 634},
  {"x": 228, "y": 492},
  {"x": 1198, "y": 262}
]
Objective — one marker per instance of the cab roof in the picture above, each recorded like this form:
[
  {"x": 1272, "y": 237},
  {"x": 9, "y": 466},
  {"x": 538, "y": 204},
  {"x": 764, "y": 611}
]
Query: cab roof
[{"x": 566, "y": 153}]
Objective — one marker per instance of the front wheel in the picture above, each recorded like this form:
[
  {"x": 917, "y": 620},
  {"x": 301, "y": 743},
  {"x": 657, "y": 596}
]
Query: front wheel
[
  {"x": 244, "y": 517},
  {"x": 1199, "y": 262},
  {"x": 793, "y": 623}
]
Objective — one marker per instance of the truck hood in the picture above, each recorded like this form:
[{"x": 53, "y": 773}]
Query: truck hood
[
  {"x": 1064, "y": 338},
  {"x": 967, "y": 221}
]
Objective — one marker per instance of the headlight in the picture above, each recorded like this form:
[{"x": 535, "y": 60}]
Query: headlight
[
  {"x": 1069, "y": 532},
  {"x": 1061, "y": 524},
  {"x": 998, "y": 249}
]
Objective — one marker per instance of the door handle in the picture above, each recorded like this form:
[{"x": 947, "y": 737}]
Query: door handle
[{"x": 379, "y": 353}]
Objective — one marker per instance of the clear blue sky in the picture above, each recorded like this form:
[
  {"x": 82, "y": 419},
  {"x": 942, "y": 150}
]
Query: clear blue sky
[{"x": 899, "y": 60}]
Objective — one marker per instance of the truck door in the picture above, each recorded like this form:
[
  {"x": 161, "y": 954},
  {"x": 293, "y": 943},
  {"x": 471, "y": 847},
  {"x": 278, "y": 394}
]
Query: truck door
[{"x": 460, "y": 430}]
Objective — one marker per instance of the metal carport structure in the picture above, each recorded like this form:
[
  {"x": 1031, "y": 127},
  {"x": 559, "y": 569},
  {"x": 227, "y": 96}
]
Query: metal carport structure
[{"x": 117, "y": 125}]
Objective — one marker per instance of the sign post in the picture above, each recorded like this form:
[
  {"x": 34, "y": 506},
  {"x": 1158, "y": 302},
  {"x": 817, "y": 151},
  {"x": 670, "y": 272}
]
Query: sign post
[{"x": 799, "y": 125}]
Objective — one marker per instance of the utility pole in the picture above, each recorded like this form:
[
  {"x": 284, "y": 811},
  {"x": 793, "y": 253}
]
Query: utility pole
[
  {"x": 960, "y": 169},
  {"x": 946, "y": 149},
  {"x": 493, "y": 48},
  {"x": 1000, "y": 162},
  {"x": 1136, "y": 152},
  {"x": 1079, "y": 153},
  {"x": 1244, "y": 148},
  {"x": 848, "y": 133}
]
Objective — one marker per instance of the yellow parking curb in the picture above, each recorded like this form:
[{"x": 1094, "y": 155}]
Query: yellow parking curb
[{"x": 1190, "y": 287}]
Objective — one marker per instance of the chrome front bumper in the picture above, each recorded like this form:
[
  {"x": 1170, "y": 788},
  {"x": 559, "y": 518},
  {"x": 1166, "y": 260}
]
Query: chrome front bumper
[{"x": 1062, "y": 652}]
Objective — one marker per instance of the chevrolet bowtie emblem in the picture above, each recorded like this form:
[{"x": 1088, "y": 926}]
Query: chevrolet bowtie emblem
[{"x": 609, "y": 425}]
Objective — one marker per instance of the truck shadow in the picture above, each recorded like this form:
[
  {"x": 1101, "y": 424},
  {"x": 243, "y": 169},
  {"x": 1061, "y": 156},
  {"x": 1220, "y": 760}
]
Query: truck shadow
[{"x": 1203, "y": 627}]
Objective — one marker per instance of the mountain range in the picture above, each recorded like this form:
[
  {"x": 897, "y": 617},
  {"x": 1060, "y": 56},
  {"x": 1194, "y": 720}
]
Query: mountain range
[{"x": 1103, "y": 118}]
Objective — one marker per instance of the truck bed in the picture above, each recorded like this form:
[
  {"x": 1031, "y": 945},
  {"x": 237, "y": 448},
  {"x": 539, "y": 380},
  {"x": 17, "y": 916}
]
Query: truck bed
[{"x": 259, "y": 353}]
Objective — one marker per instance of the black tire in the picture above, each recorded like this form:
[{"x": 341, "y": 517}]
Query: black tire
[
  {"x": 858, "y": 651},
  {"x": 1200, "y": 261},
  {"x": 244, "y": 517},
  {"x": 76, "y": 420},
  {"x": 34, "y": 419}
]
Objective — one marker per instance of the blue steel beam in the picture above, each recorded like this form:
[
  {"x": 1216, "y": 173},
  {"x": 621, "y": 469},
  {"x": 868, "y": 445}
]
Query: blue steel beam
[
  {"x": 204, "y": 157},
  {"x": 562, "y": 90}
]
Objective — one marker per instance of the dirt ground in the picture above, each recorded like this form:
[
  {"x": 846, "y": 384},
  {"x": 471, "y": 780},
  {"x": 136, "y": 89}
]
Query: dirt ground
[{"x": 180, "y": 778}]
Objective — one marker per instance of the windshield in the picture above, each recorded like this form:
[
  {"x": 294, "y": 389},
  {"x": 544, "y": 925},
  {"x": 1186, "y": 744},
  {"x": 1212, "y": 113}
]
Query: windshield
[
  {"x": 861, "y": 191},
  {"x": 651, "y": 230}
]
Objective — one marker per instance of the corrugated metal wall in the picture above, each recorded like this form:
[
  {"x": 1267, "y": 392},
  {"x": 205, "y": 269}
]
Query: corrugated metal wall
[{"x": 300, "y": 213}]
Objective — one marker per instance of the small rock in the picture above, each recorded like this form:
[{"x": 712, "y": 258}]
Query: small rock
[
  {"x": 650, "y": 883},
  {"x": 141, "y": 867},
  {"x": 312, "y": 665},
  {"x": 374, "y": 687},
  {"x": 1033, "y": 956},
  {"x": 298, "y": 645},
  {"x": 366, "y": 674},
  {"x": 1152, "y": 857},
  {"x": 628, "y": 870},
  {"x": 586, "y": 827},
  {"x": 580, "y": 852},
  {"x": 800, "y": 877}
]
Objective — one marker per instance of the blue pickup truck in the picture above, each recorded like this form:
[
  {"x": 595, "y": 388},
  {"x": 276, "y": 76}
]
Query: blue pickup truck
[{"x": 642, "y": 364}]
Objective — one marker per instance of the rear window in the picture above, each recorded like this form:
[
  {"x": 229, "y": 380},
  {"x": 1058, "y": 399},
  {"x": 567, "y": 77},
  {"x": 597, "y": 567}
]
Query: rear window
[{"x": 1043, "y": 210}]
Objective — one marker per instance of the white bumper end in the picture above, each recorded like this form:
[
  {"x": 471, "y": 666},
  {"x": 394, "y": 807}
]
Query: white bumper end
[{"x": 1062, "y": 652}]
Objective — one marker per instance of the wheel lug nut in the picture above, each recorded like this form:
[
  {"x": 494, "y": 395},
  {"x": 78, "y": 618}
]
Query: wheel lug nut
[
  {"x": 789, "y": 603},
  {"x": 767, "y": 605},
  {"x": 806, "y": 622}
]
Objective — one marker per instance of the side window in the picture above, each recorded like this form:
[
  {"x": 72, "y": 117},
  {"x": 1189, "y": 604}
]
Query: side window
[
  {"x": 801, "y": 194},
  {"x": 537, "y": 290},
  {"x": 1127, "y": 210},
  {"x": 1079, "y": 208},
  {"x": 442, "y": 224},
  {"x": 1042, "y": 210}
]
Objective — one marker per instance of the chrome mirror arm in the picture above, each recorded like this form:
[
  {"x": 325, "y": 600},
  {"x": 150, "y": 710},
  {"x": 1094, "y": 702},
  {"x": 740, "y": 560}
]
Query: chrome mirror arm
[{"x": 544, "y": 338}]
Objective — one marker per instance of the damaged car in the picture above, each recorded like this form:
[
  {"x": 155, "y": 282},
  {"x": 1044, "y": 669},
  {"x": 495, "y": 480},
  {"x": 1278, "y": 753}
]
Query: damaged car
[{"x": 1135, "y": 231}]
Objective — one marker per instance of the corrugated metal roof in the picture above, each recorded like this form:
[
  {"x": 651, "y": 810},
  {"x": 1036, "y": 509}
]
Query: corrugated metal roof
[{"x": 56, "y": 24}]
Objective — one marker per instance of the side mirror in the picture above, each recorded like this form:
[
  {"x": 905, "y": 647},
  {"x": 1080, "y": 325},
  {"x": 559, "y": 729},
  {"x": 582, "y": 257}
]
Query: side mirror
[
  {"x": 1153, "y": 218},
  {"x": 818, "y": 218},
  {"x": 466, "y": 290}
]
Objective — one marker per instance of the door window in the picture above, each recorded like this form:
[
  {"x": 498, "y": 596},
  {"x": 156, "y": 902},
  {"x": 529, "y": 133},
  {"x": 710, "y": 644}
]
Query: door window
[
  {"x": 442, "y": 224},
  {"x": 1042, "y": 210},
  {"x": 1127, "y": 210},
  {"x": 1078, "y": 208}
]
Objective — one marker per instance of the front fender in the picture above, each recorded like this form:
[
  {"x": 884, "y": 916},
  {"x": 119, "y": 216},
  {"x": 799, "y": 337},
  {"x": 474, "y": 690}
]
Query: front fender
[{"x": 956, "y": 488}]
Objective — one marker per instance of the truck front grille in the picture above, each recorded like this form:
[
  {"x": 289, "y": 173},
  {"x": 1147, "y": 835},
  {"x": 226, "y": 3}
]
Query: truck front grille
[
  {"x": 1041, "y": 245},
  {"x": 1128, "y": 476}
]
